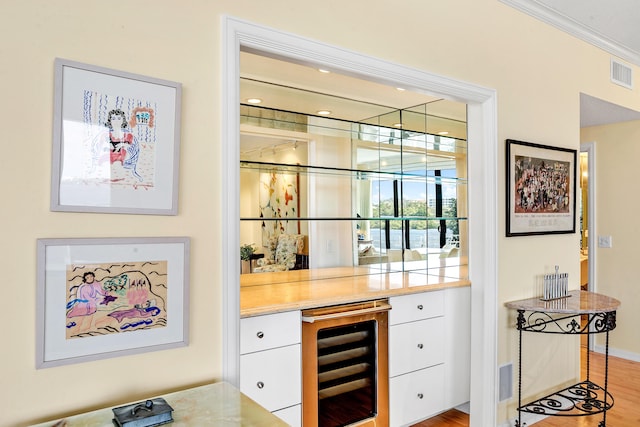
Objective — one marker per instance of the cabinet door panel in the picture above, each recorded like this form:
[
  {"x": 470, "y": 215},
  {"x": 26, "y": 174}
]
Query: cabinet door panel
[
  {"x": 272, "y": 377},
  {"x": 416, "y": 345},
  {"x": 270, "y": 331},
  {"x": 416, "y": 396},
  {"x": 458, "y": 338}
]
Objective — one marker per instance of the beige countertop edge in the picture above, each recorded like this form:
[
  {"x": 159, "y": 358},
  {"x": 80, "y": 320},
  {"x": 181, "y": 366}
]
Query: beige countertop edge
[{"x": 345, "y": 299}]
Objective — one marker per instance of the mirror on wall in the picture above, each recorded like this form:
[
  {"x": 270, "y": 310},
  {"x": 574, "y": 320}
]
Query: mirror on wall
[{"x": 340, "y": 176}]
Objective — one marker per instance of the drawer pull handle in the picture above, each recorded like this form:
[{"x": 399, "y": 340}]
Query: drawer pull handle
[
  {"x": 260, "y": 334},
  {"x": 420, "y": 395},
  {"x": 420, "y": 346},
  {"x": 420, "y": 307},
  {"x": 260, "y": 385}
]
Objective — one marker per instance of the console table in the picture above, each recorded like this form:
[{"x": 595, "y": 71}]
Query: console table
[
  {"x": 563, "y": 316},
  {"x": 218, "y": 404}
]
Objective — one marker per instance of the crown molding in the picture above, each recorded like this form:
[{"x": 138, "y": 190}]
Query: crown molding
[{"x": 550, "y": 16}]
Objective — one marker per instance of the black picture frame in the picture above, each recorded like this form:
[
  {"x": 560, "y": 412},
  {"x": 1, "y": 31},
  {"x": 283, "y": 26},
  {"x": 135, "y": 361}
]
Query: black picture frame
[{"x": 541, "y": 189}]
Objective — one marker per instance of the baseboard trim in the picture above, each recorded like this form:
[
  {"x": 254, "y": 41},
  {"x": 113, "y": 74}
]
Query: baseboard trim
[
  {"x": 628, "y": 355},
  {"x": 465, "y": 407}
]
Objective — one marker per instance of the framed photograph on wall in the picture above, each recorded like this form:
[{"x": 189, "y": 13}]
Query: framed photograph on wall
[
  {"x": 101, "y": 298},
  {"x": 541, "y": 189},
  {"x": 116, "y": 141}
]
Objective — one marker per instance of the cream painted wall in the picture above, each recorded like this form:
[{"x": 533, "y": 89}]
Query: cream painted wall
[
  {"x": 538, "y": 73},
  {"x": 616, "y": 200}
]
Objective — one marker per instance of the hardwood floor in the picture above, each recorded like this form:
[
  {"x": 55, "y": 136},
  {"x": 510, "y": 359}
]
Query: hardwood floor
[
  {"x": 452, "y": 418},
  {"x": 624, "y": 385}
]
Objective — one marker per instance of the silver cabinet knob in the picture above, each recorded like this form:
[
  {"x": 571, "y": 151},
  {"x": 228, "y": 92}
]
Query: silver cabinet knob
[
  {"x": 420, "y": 307},
  {"x": 260, "y": 384},
  {"x": 420, "y": 395},
  {"x": 420, "y": 346},
  {"x": 260, "y": 334}
]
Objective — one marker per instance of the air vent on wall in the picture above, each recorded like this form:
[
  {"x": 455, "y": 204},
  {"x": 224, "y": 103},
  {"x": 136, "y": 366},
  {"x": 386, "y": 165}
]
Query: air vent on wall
[
  {"x": 621, "y": 74},
  {"x": 505, "y": 382}
]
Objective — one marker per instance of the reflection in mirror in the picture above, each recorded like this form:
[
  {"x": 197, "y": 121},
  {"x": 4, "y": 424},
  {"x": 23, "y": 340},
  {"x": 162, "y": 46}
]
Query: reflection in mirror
[{"x": 354, "y": 193}]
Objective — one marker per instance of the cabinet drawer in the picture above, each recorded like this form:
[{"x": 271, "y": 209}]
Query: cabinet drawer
[
  {"x": 416, "y": 396},
  {"x": 416, "y": 345},
  {"x": 270, "y": 331},
  {"x": 272, "y": 377},
  {"x": 407, "y": 308}
]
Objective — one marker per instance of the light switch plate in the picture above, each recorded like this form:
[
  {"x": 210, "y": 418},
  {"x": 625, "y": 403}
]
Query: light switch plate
[{"x": 604, "y": 241}]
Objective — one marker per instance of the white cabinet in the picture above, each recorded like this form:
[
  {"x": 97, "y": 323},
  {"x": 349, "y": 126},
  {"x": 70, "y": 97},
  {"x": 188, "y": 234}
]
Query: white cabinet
[
  {"x": 409, "y": 308},
  {"x": 270, "y": 331},
  {"x": 458, "y": 346},
  {"x": 416, "y": 396},
  {"x": 270, "y": 364},
  {"x": 429, "y": 353},
  {"x": 429, "y": 357},
  {"x": 416, "y": 345}
]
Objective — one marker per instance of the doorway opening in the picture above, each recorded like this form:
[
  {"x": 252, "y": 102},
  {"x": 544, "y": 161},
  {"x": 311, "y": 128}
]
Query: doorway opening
[
  {"x": 587, "y": 226},
  {"x": 482, "y": 197}
]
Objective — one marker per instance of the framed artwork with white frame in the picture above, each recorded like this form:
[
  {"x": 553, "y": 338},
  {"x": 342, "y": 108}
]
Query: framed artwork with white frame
[
  {"x": 116, "y": 141},
  {"x": 101, "y": 298}
]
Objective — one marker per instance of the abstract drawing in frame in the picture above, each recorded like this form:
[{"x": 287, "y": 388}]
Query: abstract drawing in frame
[
  {"x": 116, "y": 139},
  {"x": 101, "y": 298}
]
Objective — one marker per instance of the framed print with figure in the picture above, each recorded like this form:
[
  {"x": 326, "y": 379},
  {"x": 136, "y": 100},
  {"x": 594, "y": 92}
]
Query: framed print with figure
[
  {"x": 541, "y": 189},
  {"x": 101, "y": 298},
  {"x": 116, "y": 141}
]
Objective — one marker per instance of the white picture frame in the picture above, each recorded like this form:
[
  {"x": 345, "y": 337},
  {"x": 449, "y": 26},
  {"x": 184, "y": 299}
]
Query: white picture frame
[
  {"x": 137, "y": 300},
  {"x": 116, "y": 141}
]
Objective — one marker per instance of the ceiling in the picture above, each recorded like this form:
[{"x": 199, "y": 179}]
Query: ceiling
[{"x": 607, "y": 24}]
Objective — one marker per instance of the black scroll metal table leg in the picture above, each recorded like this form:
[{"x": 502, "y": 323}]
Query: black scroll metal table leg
[
  {"x": 521, "y": 322},
  {"x": 606, "y": 380},
  {"x": 589, "y": 319}
]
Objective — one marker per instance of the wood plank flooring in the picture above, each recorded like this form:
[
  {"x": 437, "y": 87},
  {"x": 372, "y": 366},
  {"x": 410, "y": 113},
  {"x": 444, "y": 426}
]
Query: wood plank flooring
[
  {"x": 624, "y": 385},
  {"x": 452, "y": 418}
]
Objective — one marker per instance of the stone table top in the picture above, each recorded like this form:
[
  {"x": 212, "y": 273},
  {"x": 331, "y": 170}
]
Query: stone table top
[
  {"x": 218, "y": 404},
  {"x": 578, "y": 302}
]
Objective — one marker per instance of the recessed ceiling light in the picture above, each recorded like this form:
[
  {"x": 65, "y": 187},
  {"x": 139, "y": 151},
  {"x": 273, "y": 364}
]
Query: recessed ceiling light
[
  {"x": 322, "y": 70},
  {"x": 443, "y": 133},
  {"x": 324, "y": 112},
  {"x": 254, "y": 100}
]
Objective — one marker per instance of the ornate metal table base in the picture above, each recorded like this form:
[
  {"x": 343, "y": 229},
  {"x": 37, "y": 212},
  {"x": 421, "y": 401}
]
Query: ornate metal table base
[{"x": 584, "y": 398}]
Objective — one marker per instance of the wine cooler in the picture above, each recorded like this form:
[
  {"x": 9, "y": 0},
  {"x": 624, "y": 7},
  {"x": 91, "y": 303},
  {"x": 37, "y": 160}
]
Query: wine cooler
[{"x": 345, "y": 365}]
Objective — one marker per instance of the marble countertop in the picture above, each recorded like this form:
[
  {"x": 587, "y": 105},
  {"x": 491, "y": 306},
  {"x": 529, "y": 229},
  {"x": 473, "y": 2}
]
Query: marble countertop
[
  {"x": 218, "y": 404},
  {"x": 578, "y": 302},
  {"x": 266, "y": 293}
]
